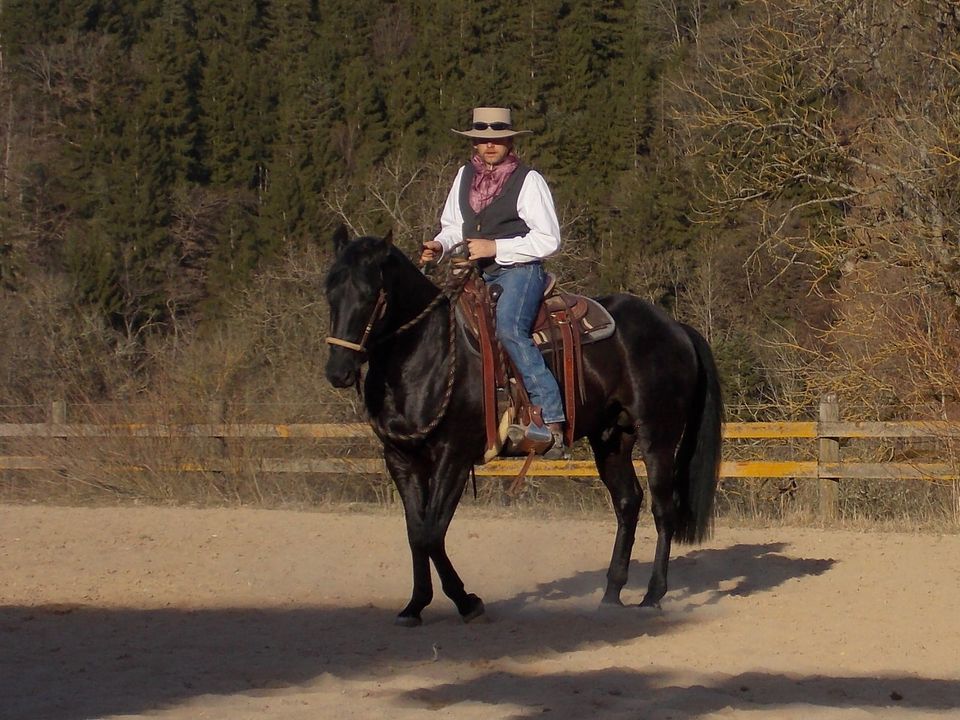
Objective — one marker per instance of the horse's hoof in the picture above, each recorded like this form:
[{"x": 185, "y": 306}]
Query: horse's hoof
[
  {"x": 408, "y": 621},
  {"x": 477, "y": 613},
  {"x": 650, "y": 604}
]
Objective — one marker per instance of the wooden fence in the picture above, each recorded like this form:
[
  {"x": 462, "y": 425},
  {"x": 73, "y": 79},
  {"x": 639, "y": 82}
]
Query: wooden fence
[{"x": 828, "y": 433}]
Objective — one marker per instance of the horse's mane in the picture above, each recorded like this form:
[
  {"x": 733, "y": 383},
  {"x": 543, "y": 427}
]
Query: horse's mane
[{"x": 373, "y": 260}]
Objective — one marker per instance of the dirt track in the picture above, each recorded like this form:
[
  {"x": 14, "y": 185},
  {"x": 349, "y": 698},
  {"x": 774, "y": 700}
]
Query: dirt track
[{"x": 178, "y": 613}]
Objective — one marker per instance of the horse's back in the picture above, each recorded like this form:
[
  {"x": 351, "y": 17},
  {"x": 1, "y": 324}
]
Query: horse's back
[
  {"x": 648, "y": 367},
  {"x": 648, "y": 333}
]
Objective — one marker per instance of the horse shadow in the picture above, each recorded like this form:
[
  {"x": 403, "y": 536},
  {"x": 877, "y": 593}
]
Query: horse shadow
[
  {"x": 69, "y": 662},
  {"x": 738, "y": 570}
]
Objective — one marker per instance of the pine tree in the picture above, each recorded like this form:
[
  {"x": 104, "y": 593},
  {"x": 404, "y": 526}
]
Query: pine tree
[
  {"x": 141, "y": 146},
  {"x": 282, "y": 208},
  {"x": 170, "y": 70},
  {"x": 234, "y": 111},
  {"x": 237, "y": 120},
  {"x": 95, "y": 175},
  {"x": 489, "y": 53}
]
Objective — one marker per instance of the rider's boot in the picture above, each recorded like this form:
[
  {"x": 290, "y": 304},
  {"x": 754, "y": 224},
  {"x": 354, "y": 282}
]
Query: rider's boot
[{"x": 557, "y": 451}]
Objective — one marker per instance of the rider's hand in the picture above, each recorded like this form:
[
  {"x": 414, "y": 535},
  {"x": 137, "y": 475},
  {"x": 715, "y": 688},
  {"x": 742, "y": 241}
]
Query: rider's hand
[
  {"x": 430, "y": 251},
  {"x": 482, "y": 248}
]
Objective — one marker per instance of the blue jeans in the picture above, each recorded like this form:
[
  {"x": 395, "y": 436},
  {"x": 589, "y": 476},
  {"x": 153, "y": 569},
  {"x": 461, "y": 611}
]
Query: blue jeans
[{"x": 523, "y": 287}]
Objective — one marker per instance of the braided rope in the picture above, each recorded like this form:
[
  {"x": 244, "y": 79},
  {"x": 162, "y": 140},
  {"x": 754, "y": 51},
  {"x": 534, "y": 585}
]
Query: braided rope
[{"x": 453, "y": 287}]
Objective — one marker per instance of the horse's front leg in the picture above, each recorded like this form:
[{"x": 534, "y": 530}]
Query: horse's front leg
[
  {"x": 410, "y": 483},
  {"x": 468, "y": 605},
  {"x": 422, "y": 584},
  {"x": 447, "y": 482},
  {"x": 430, "y": 499}
]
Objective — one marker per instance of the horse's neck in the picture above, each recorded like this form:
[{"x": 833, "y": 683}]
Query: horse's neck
[
  {"x": 409, "y": 295},
  {"x": 415, "y": 305},
  {"x": 408, "y": 372}
]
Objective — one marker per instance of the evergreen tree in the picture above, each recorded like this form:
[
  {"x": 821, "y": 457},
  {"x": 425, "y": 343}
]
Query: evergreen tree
[
  {"x": 129, "y": 160},
  {"x": 237, "y": 120},
  {"x": 234, "y": 112},
  {"x": 580, "y": 123},
  {"x": 395, "y": 52},
  {"x": 170, "y": 70},
  {"x": 260, "y": 107},
  {"x": 283, "y": 208},
  {"x": 491, "y": 53},
  {"x": 95, "y": 175}
]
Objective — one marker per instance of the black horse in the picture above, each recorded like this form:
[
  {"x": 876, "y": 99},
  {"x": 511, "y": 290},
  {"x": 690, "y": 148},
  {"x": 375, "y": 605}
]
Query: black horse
[{"x": 652, "y": 384}]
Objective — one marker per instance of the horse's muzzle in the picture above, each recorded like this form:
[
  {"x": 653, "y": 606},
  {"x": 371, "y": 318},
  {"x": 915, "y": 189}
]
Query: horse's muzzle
[
  {"x": 342, "y": 368},
  {"x": 342, "y": 377}
]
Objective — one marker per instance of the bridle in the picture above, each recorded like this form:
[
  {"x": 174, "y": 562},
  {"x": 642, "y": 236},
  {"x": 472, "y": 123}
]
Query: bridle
[{"x": 379, "y": 310}]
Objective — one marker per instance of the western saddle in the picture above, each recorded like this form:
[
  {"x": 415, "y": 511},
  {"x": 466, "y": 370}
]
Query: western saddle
[{"x": 564, "y": 324}]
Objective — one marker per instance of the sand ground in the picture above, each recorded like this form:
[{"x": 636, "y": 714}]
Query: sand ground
[{"x": 255, "y": 614}]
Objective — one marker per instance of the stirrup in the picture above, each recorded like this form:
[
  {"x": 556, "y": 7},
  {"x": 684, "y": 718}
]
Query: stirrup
[{"x": 557, "y": 451}]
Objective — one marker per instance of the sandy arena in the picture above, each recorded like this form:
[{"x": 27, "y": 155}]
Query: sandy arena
[{"x": 182, "y": 614}]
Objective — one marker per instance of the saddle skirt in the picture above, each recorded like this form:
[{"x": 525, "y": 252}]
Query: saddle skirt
[
  {"x": 563, "y": 325},
  {"x": 588, "y": 317}
]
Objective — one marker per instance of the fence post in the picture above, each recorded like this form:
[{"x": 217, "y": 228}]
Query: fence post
[
  {"x": 58, "y": 448},
  {"x": 828, "y": 452},
  {"x": 216, "y": 415},
  {"x": 58, "y": 412}
]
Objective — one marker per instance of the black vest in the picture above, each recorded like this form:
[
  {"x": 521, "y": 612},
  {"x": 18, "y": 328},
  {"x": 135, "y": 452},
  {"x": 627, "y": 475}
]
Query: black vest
[{"x": 500, "y": 218}]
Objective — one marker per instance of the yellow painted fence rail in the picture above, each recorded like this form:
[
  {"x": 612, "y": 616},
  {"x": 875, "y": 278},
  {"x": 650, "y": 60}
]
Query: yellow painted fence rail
[{"x": 827, "y": 432}]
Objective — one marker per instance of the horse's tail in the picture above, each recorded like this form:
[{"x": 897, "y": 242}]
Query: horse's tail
[{"x": 698, "y": 458}]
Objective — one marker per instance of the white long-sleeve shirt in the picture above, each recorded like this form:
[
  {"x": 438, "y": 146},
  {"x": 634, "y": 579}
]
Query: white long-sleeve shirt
[{"x": 536, "y": 209}]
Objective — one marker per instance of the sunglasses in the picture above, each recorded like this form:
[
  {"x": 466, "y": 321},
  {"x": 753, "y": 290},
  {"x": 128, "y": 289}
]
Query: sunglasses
[{"x": 492, "y": 126}]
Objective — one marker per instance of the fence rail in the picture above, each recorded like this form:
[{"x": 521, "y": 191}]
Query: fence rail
[
  {"x": 262, "y": 431},
  {"x": 828, "y": 433}
]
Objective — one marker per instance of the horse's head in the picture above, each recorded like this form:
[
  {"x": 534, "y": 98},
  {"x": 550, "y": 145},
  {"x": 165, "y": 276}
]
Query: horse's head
[{"x": 355, "y": 294}]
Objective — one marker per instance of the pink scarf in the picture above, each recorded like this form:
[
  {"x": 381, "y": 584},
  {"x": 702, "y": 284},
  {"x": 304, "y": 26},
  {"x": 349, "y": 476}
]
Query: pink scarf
[{"x": 488, "y": 183}]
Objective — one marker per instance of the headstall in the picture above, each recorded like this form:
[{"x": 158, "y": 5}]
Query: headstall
[{"x": 379, "y": 310}]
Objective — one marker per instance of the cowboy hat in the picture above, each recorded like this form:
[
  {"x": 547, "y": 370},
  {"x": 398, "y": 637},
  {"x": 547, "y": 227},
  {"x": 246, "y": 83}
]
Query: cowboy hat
[{"x": 490, "y": 123}]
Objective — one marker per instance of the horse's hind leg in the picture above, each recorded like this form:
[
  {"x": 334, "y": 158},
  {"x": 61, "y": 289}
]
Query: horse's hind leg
[
  {"x": 612, "y": 453},
  {"x": 660, "y": 475}
]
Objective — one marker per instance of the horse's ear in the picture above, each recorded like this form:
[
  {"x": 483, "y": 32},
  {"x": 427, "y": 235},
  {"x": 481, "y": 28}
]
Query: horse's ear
[
  {"x": 388, "y": 238},
  {"x": 341, "y": 238}
]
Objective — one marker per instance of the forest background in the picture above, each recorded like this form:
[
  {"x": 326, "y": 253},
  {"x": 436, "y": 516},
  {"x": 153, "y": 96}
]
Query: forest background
[{"x": 782, "y": 174}]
